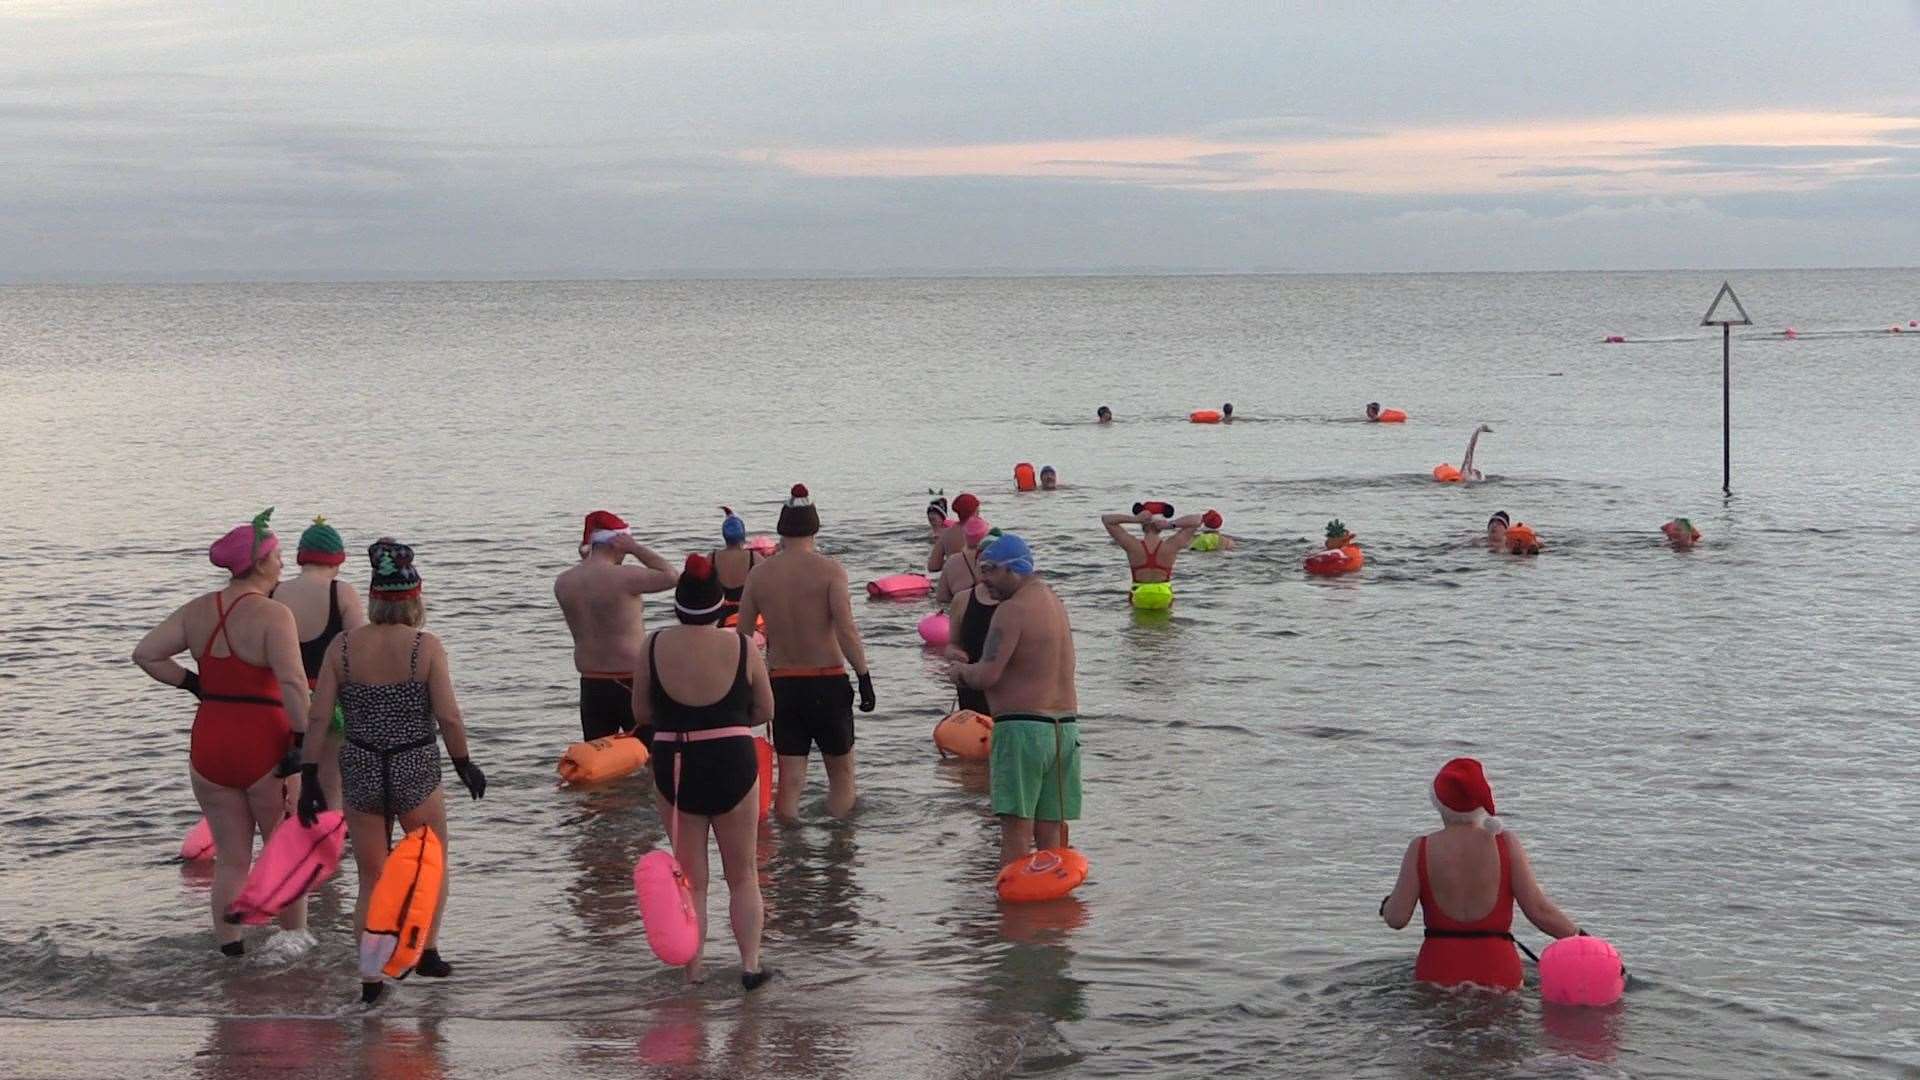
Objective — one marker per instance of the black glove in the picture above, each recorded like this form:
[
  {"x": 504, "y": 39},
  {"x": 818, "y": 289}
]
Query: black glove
[
  {"x": 471, "y": 776},
  {"x": 312, "y": 799},
  {"x": 1383, "y": 904},
  {"x": 866, "y": 691},
  {"x": 191, "y": 684},
  {"x": 290, "y": 761},
  {"x": 1577, "y": 932}
]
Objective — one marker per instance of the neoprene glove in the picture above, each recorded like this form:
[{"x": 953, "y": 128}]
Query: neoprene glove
[
  {"x": 471, "y": 776},
  {"x": 191, "y": 684},
  {"x": 312, "y": 799},
  {"x": 866, "y": 691},
  {"x": 290, "y": 761}
]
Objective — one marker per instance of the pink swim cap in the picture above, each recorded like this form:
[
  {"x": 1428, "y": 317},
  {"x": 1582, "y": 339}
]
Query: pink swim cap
[
  {"x": 244, "y": 545},
  {"x": 976, "y": 529}
]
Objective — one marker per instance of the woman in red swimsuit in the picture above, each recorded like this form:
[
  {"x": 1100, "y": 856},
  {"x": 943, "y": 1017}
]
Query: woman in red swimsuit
[
  {"x": 1469, "y": 866},
  {"x": 250, "y": 682}
]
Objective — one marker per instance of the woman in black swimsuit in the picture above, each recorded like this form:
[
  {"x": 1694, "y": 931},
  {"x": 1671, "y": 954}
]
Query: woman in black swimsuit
[
  {"x": 704, "y": 765},
  {"x": 971, "y": 616},
  {"x": 322, "y": 607}
]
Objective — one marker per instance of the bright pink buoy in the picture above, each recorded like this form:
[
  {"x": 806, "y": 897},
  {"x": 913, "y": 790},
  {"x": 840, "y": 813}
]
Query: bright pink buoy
[
  {"x": 899, "y": 587},
  {"x": 934, "y": 630},
  {"x": 1616, "y": 339},
  {"x": 666, "y": 907},
  {"x": 762, "y": 545},
  {"x": 294, "y": 861},
  {"x": 1581, "y": 971},
  {"x": 198, "y": 844},
  {"x": 1791, "y": 333}
]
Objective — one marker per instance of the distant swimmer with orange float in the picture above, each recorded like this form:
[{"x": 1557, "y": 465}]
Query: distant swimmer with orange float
[
  {"x": 1469, "y": 865},
  {"x": 1049, "y": 479},
  {"x": 1378, "y": 415},
  {"x": 1210, "y": 538},
  {"x": 1026, "y": 669},
  {"x": 1465, "y": 473},
  {"x": 1341, "y": 555},
  {"x": 1512, "y": 537},
  {"x": 251, "y": 691},
  {"x": 394, "y": 685},
  {"x": 811, "y": 639},
  {"x": 604, "y": 603},
  {"x": 1681, "y": 534},
  {"x": 703, "y": 690},
  {"x": 1151, "y": 555},
  {"x": 1222, "y": 415}
]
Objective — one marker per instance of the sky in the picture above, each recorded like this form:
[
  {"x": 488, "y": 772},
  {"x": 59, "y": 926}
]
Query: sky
[{"x": 371, "y": 139}]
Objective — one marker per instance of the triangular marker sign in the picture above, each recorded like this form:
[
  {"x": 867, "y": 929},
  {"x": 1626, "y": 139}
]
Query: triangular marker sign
[{"x": 1715, "y": 317}]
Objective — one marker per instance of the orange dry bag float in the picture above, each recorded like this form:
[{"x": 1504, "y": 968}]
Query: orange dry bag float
[
  {"x": 1446, "y": 474},
  {"x": 1204, "y": 416},
  {"x": 1521, "y": 539},
  {"x": 1023, "y": 478},
  {"x": 602, "y": 759},
  {"x": 400, "y": 913},
  {"x": 965, "y": 734},
  {"x": 1390, "y": 416}
]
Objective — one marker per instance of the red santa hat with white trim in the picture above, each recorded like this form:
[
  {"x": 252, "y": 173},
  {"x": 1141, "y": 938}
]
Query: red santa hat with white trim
[{"x": 1460, "y": 788}]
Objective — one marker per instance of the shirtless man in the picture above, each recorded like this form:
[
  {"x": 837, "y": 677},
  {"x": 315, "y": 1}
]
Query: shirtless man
[
  {"x": 1149, "y": 557},
  {"x": 965, "y": 505},
  {"x": 811, "y": 639},
  {"x": 602, "y": 601},
  {"x": 962, "y": 571},
  {"x": 1027, "y": 669}
]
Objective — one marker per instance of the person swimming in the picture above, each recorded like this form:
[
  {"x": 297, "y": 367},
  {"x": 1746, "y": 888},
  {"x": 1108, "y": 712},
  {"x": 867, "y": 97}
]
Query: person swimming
[
  {"x": 1150, "y": 557},
  {"x": 1469, "y": 474},
  {"x": 1210, "y": 537},
  {"x": 937, "y": 522},
  {"x": 1049, "y": 480},
  {"x": 1681, "y": 533},
  {"x": 1103, "y": 415},
  {"x": 1497, "y": 530},
  {"x": 1471, "y": 864},
  {"x": 1373, "y": 410},
  {"x": 1226, "y": 413}
]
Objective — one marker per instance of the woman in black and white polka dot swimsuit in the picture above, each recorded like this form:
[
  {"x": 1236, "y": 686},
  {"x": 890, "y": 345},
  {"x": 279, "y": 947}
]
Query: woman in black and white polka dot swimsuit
[{"x": 395, "y": 691}]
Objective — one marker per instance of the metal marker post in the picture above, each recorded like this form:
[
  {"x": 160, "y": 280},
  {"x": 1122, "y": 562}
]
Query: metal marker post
[{"x": 1726, "y": 321}]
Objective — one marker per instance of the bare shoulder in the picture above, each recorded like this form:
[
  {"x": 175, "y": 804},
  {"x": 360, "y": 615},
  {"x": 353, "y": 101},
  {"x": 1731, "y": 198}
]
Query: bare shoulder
[{"x": 431, "y": 645}]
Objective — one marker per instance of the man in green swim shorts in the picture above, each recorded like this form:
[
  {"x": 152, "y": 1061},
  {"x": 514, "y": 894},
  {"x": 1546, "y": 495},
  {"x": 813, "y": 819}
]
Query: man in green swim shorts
[{"x": 1026, "y": 669}]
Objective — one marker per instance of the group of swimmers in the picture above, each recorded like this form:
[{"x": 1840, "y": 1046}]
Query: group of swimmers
[{"x": 300, "y": 683}]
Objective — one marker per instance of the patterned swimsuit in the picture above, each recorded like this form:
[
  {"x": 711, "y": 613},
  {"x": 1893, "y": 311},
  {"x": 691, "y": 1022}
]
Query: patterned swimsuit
[{"x": 391, "y": 760}]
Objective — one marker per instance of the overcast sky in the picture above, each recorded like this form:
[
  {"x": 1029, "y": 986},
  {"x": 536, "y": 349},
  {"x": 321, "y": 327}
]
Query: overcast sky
[{"x": 394, "y": 138}]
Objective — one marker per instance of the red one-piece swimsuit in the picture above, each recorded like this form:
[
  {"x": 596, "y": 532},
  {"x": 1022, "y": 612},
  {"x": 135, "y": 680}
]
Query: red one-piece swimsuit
[
  {"x": 1480, "y": 951},
  {"x": 240, "y": 731}
]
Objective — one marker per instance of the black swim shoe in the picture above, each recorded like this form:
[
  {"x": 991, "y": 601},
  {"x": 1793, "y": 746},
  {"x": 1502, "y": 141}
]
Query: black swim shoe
[
  {"x": 234, "y": 948},
  {"x": 431, "y": 966},
  {"x": 754, "y": 980},
  {"x": 370, "y": 993}
]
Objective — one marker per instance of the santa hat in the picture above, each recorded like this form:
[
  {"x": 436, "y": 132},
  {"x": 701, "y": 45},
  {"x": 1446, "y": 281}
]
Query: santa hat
[
  {"x": 602, "y": 526},
  {"x": 1460, "y": 787},
  {"x": 797, "y": 515},
  {"x": 965, "y": 505}
]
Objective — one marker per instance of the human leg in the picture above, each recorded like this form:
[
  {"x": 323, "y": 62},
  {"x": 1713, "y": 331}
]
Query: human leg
[
  {"x": 231, "y": 819},
  {"x": 737, "y": 831}
]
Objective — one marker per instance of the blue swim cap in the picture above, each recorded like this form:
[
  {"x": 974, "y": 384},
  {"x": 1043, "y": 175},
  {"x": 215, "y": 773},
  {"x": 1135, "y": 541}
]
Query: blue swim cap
[
  {"x": 1010, "y": 553},
  {"x": 733, "y": 530}
]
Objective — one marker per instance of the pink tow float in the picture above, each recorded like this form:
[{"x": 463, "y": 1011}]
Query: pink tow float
[
  {"x": 899, "y": 587},
  {"x": 295, "y": 860},
  {"x": 1581, "y": 971},
  {"x": 935, "y": 631}
]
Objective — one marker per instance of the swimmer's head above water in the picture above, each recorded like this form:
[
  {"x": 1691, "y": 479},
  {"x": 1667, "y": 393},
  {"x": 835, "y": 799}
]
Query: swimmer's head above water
[
  {"x": 1104, "y": 415},
  {"x": 733, "y": 531},
  {"x": 1005, "y": 565},
  {"x": 1497, "y": 525},
  {"x": 937, "y": 509},
  {"x": 1226, "y": 411},
  {"x": 965, "y": 505},
  {"x": 1462, "y": 795},
  {"x": 798, "y": 518},
  {"x": 1212, "y": 520},
  {"x": 1048, "y": 478},
  {"x": 697, "y": 597},
  {"x": 1373, "y": 410}
]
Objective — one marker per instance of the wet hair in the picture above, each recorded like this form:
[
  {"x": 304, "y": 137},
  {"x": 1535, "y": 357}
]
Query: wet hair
[{"x": 408, "y": 612}]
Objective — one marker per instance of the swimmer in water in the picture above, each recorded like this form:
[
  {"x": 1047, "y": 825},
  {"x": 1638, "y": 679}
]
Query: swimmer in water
[
  {"x": 1469, "y": 865},
  {"x": 323, "y": 607},
  {"x": 1497, "y": 530},
  {"x": 732, "y": 564},
  {"x": 1681, "y": 534},
  {"x": 604, "y": 606},
  {"x": 1026, "y": 669},
  {"x": 937, "y": 522},
  {"x": 1373, "y": 410},
  {"x": 1104, "y": 415},
  {"x": 953, "y": 537},
  {"x": 962, "y": 572},
  {"x": 811, "y": 638},
  {"x": 252, "y": 693},
  {"x": 1150, "y": 557},
  {"x": 1049, "y": 480},
  {"x": 1226, "y": 413},
  {"x": 1210, "y": 538},
  {"x": 1469, "y": 474}
]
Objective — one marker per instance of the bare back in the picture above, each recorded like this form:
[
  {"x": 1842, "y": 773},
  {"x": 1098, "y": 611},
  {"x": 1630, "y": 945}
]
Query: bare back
[
  {"x": 250, "y": 630},
  {"x": 1463, "y": 869},
  {"x": 732, "y": 565},
  {"x": 603, "y": 605},
  {"x": 960, "y": 573},
  {"x": 798, "y": 592},
  {"x": 1039, "y": 677},
  {"x": 309, "y": 597}
]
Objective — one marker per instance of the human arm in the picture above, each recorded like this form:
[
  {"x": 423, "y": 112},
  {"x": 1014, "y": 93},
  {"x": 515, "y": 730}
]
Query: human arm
[
  {"x": 1002, "y": 638},
  {"x": 353, "y": 610},
  {"x": 654, "y": 574},
  {"x": 1540, "y": 911},
  {"x": 1397, "y": 908},
  {"x": 642, "y": 702},
  {"x": 1185, "y": 529},
  {"x": 762, "y": 686},
  {"x": 1466, "y": 463},
  {"x": 1115, "y": 523},
  {"x": 943, "y": 586},
  {"x": 749, "y": 618},
  {"x": 282, "y": 646},
  {"x": 840, "y": 607},
  {"x": 956, "y": 613},
  {"x": 446, "y": 710},
  {"x": 326, "y": 694},
  {"x": 154, "y": 655},
  {"x": 937, "y": 558}
]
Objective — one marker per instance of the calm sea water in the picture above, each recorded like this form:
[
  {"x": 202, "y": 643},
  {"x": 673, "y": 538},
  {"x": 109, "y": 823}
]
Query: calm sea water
[{"x": 1710, "y": 755}]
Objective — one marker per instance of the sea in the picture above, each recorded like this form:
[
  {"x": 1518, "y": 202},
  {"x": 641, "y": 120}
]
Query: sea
[{"x": 1709, "y": 755}]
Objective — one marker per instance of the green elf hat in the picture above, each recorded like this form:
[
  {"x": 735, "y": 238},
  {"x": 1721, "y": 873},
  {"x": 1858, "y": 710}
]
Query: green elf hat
[{"x": 320, "y": 545}]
